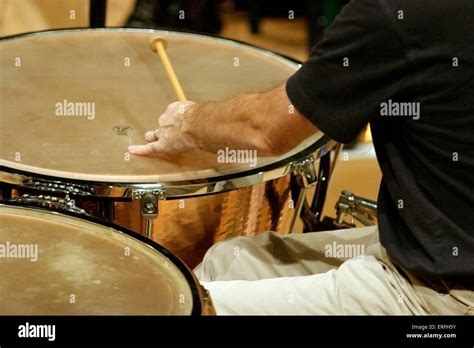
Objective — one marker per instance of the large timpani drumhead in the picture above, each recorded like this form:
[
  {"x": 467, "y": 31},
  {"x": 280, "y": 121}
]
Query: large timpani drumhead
[
  {"x": 85, "y": 268},
  {"x": 119, "y": 86}
]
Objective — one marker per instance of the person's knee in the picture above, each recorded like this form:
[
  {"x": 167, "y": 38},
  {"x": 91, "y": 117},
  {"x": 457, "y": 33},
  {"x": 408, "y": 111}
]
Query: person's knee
[
  {"x": 228, "y": 248},
  {"x": 220, "y": 256},
  {"x": 237, "y": 258},
  {"x": 241, "y": 245}
]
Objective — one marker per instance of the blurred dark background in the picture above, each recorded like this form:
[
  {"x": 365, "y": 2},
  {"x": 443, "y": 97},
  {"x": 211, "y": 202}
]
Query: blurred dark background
[
  {"x": 284, "y": 26},
  {"x": 206, "y": 15}
]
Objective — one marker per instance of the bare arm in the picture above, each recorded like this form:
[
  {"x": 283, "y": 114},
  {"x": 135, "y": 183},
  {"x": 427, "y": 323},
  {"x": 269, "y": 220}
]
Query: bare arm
[{"x": 265, "y": 122}]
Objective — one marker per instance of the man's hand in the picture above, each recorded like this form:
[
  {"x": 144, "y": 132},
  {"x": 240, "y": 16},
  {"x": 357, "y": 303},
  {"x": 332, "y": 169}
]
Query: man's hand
[
  {"x": 170, "y": 136},
  {"x": 265, "y": 122}
]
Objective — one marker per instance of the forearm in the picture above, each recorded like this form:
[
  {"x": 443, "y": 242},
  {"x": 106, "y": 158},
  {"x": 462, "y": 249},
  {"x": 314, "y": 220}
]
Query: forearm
[
  {"x": 231, "y": 123},
  {"x": 265, "y": 122}
]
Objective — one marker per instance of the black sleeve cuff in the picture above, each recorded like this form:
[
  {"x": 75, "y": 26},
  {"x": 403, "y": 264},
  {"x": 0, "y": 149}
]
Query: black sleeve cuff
[{"x": 315, "y": 113}]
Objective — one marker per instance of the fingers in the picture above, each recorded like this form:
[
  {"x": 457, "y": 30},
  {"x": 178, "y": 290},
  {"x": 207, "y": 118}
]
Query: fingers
[
  {"x": 150, "y": 136},
  {"x": 168, "y": 138},
  {"x": 162, "y": 147},
  {"x": 151, "y": 149}
]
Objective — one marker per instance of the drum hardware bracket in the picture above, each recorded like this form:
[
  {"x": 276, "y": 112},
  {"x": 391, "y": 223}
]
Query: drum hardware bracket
[
  {"x": 58, "y": 186},
  {"x": 358, "y": 208},
  {"x": 46, "y": 185},
  {"x": 66, "y": 203},
  {"x": 305, "y": 173},
  {"x": 149, "y": 206}
]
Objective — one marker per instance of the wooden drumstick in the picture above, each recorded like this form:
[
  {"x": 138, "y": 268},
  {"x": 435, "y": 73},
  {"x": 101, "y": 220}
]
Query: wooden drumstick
[{"x": 158, "y": 45}]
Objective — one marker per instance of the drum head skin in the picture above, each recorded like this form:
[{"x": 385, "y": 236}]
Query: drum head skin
[
  {"x": 73, "y": 101},
  {"x": 54, "y": 264}
]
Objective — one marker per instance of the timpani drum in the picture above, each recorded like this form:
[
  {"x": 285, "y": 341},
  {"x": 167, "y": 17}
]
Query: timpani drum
[
  {"x": 74, "y": 100},
  {"x": 60, "y": 264}
]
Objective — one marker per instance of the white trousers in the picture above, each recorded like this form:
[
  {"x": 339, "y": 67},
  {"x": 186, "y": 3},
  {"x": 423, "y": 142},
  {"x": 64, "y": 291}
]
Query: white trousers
[{"x": 335, "y": 272}]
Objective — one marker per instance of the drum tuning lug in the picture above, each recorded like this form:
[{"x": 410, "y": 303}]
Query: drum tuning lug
[
  {"x": 149, "y": 206},
  {"x": 137, "y": 195},
  {"x": 306, "y": 172},
  {"x": 140, "y": 194}
]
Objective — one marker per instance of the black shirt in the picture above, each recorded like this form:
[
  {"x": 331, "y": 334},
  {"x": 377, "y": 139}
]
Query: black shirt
[{"x": 382, "y": 55}]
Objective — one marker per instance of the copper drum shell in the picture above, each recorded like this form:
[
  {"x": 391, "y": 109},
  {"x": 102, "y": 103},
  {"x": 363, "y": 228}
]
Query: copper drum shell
[{"x": 189, "y": 227}]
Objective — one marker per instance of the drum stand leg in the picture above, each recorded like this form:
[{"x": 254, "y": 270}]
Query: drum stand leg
[
  {"x": 149, "y": 226},
  {"x": 298, "y": 207},
  {"x": 306, "y": 177},
  {"x": 149, "y": 207}
]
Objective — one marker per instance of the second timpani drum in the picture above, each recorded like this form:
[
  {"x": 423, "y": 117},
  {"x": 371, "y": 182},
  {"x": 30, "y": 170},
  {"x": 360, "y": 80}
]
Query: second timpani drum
[{"x": 61, "y": 264}]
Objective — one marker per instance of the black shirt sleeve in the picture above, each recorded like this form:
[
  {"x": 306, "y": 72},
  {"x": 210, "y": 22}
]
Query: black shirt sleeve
[{"x": 357, "y": 65}]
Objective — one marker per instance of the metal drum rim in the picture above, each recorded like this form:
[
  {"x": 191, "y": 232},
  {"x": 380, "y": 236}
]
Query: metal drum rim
[
  {"x": 280, "y": 57},
  {"x": 190, "y": 188}
]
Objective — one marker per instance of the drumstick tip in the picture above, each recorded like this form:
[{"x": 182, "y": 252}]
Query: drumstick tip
[{"x": 158, "y": 39}]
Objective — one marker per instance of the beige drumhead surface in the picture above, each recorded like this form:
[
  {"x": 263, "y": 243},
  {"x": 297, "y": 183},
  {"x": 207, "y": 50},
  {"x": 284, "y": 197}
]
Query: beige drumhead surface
[
  {"x": 117, "y": 72},
  {"x": 82, "y": 268}
]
